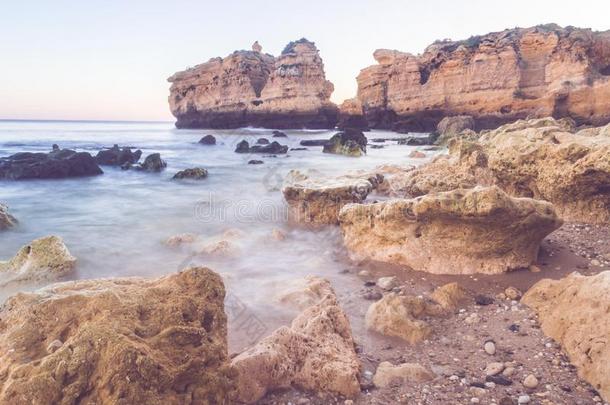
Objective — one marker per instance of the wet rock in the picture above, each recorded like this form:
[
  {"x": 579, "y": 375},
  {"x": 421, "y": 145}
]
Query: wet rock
[
  {"x": 530, "y": 381},
  {"x": 388, "y": 374},
  {"x": 298, "y": 149},
  {"x": 315, "y": 199},
  {"x": 172, "y": 334},
  {"x": 60, "y": 163},
  {"x": 387, "y": 283},
  {"x": 116, "y": 156},
  {"x": 6, "y": 219},
  {"x": 196, "y": 173},
  {"x": 350, "y": 142},
  {"x": 316, "y": 353},
  {"x": 272, "y": 148},
  {"x": 417, "y": 154},
  {"x": 304, "y": 293},
  {"x": 153, "y": 163},
  {"x": 279, "y": 134},
  {"x": 208, "y": 140},
  {"x": 255, "y": 162},
  {"x": 242, "y": 147},
  {"x": 262, "y": 141},
  {"x": 314, "y": 142},
  {"x": 481, "y": 230},
  {"x": 574, "y": 312},
  {"x": 43, "y": 259}
]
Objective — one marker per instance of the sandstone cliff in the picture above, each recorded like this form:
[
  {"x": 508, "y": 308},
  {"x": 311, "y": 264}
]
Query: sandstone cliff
[
  {"x": 251, "y": 88},
  {"x": 495, "y": 78}
]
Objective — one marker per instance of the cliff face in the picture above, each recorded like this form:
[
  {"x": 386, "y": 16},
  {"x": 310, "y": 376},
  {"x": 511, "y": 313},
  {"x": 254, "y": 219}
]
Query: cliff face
[
  {"x": 495, "y": 78},
  {"x": 250, "y": 88}
]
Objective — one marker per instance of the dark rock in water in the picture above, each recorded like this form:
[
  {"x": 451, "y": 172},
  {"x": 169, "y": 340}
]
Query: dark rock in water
[
  {"x": 350, "y": 142},
  {"x": 208, "y": 140},
  {"x": 255, "y": 162},
  {"x": 196, "y": 173},
  {"x": 314, "y": 142},
  {"x": 295, "y": 149},
  {"x": 378, "y": 140},
  {"x": 242, "y": 147},
  {"x": 279, "y": 134},
  {"x": 377, "y": 146},
  {"x": 419, "y": 141},
  {"x": 273, "y": 147},
  {"x": 263, "y": 141},
  {"x": 116, "y": 156},
  {"x": 60, "y": 163},
  {"x": 55, "y": 147},
  {"x": 152, "y": 163}
]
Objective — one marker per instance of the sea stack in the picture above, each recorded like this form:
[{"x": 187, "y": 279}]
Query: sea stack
[
  {"x": 252, "y": 88},
  {"x": 495, "y": 78}
]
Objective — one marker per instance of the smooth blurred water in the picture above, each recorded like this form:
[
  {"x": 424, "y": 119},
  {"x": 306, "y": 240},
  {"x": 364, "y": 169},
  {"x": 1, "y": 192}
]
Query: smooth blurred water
[{"x": 115, "y": 224}]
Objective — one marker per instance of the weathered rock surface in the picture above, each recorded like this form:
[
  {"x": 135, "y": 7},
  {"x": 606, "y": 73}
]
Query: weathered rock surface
[
  {"x": 196, "y": 173},
  {"x": 43, "y": 259},
  {"x": 271, "y": 148},
  {"x": 350, "y": 142},
  {"x": 60, "y": 163},
  {"x": 6, "y": 219},
  {"x": 314, "y": 199},
  {"x": 116, "y": 156},
  {"x": 481, "y": 230},
  {"x": 250, "y": 88},
  {"x": 388, "y": 374},
  {"x": 315, "y": 353},
  {"x": 119, "y": 341},
  {"x": 495, "y": 78},
  {"x": 304, "y": 293},
  {"x": 574, "y": 312},
  {"x": 153, "y": 163},
  {"x": 351, "y": 116}
]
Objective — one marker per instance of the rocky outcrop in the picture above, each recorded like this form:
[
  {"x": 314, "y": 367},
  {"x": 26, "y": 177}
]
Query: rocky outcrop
[
  {"x": 481, "y": 230},
  {"x": 452, "y": 127},
  {"x": 116, "y": 156},
  {"x": 6, "y": 219},
  {"x": 43, "y": 259},
  {"x": 350, "y": 142},
  {"x": 495, "y": 78},
  {"x": 119, "y": 341},
  {"x": 250, "y": 88},
  {"x": 196, "y": 173},
  {"x": 314, "y": 199},
  {"x": 315, "y": 353},
  {"x": 270, "y": 148},
  {"x": 574, "y": 312},
  {"x": 57, "y": 164}
]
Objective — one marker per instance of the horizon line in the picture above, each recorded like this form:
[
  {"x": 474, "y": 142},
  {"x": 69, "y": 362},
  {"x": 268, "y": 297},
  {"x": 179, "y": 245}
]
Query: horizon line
[{"x": 80, "y": 120}]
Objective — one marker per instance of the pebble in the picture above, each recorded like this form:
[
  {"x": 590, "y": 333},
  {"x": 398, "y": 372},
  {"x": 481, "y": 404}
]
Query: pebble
[
  {"x": 513, "y": 293},
  {"x": 372, "y": 295},
  {"x": 387, "y": 283},
  {"x": 530, "y": 381},
  {"x": 490, "y": 347},
  {"x": 474, "y": 400},
  {"x": 498, "y": 379},
  {"x": 508, "y": 371},
  {"x": 523, "y": 399},
  {"x": 364, "y": 273},
  {"x": 483, "y": 300},
  {"x": 494, "y": 368},
  {"x": 477, "y": 391},
  {"x": 348, "y": 402},
  {"x": 595, "y": 262},
  {"x": 472, "y": 319}
]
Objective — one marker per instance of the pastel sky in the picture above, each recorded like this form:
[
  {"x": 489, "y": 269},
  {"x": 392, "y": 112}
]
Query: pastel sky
[{"x": 109, "y": 59}]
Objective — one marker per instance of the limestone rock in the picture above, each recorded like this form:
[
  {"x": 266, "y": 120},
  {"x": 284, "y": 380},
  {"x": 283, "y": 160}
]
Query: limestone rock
[
  {"x": 481, "y": 230},
  {"x": 6, "y": 219},
  {"x": 574, "y": 312},
  {"x": 388, "y": 374},
  {"x": 123, "y": 341},
  {"x": 495, "y": 78},
  {"x": 304, "y": 293},
  {"x": 314, "y": 199},
  {"x": 351, "y": 115},
  {"x": 450, "y": 296},
  {"x": 251, "y": 88},
  {"x": 454, "y": 125},
  {"x": 43, "y": 259},
  {"x": 315, "y": 353}
]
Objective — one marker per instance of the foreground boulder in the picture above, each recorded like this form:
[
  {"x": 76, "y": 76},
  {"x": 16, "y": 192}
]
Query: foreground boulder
[
  {"x": 60, "y": 163},
  {"x": 481, "y": 230},
  {"x": 313, "y": 199},
  {"x": 251, "y": 88},
  {"x": 6, "y": 219},
  {"x": 350, "y": 142},
  {"x": 316, "y": 353},
  {"x": 43, "y": 259},
  {"x": 574, "y": 312},
  {"x": 119, "y": 341},
  {"x": 116, "y": 156}
]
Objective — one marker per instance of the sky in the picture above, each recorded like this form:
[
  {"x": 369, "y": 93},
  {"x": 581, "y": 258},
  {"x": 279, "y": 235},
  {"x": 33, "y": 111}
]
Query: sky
[{"x": 109, "y": 59}]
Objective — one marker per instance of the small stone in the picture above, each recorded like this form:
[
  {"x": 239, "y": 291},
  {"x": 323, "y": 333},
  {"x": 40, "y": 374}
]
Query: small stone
[
  {"x": 498, "y": 379},
  {"x": 513, "y": 293},
  {"x": 477, "y": 391},
  {"x": 364, "y": 273},
  {"x": 523, "y": 399},
  {"x": 490, "y": 347},
  {"x": 348, "y": 402},
  {"x": 494, "y": 368},
  {"x": 483, "y": 300},
  {"x": 474, "y": 400},
  {"x": 595, "y": 262},
  {"x": 387, "y": 283},
  {"x": 472, "y": 319},
  {"x": 530, "y": 381},
  {"x": 372, "y": 295},
  {"x": 535, "y": 269},
  {"x": 490, "y": 385},
  {"x": 506, "y": 401},
  {"x": 508, "y": 371}
]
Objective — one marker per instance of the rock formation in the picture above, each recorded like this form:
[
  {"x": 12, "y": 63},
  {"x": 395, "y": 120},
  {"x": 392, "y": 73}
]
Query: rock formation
[
  {"x": 314, "y": 199},
  {"x": 250, "y": 88},
  {"x": 119, "y": 341},
  {"x": 481, "y": 230},
  {"x": 495, "y": 78},
  {"x": 574, "y": 312},
  {"x": 196, "y": 173},
  {"x": 43, "y": 259},
  {"x": 303, "y": 293},
  {"x": 6, "y": 219},
  {"x": 315, "y": 353},
  {"x": 116, "y": 156},
  {"x": 350, "y": 142},
  {"x": 57, "y": 164}
]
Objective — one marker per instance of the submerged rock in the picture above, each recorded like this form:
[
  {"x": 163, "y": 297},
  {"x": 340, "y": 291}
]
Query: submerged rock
[
  {"x": 303, "y": 293},
  {"x": 316, "y": 353},
  {"x": 119, "y": 341},
  {"x": 481, "y": 230},
  {"x": 271, "y": 148},
  {"x": 196, "y": 173},
  {"x": 43, "y": 259},
  {"x": 208, "y": 140},
  {"x": 6, "y": 219},
  {"x": 60, "y": 163},
  {"x": 574, "y": 312},
  {"x": 350, "y": 142},
  {"x": 279, "y": 134},
  {"x": 116, "y": 156},
  {"x": 313, "y": 199}
]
